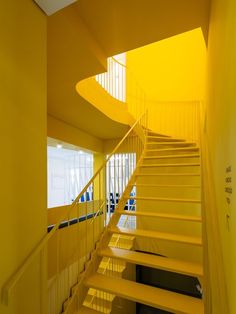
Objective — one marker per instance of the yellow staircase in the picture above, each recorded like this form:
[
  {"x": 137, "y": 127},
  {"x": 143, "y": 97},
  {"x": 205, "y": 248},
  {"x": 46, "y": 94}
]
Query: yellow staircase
[{"x": 167, "y": 224}]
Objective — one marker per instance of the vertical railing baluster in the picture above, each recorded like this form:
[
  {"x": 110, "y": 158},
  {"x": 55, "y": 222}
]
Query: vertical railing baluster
[
  {"x": 86, "y": 225},
  {"x": 114, "y": 182}
]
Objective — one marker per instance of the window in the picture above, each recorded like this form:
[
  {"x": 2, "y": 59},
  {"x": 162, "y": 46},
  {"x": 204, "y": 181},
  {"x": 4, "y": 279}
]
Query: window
[{"x": 68, "y": 172}]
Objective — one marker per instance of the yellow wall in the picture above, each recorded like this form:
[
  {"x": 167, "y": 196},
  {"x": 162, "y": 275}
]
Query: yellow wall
[
  {"x": 221, "y": 128},
  {"x": 23, "y": 145},
  {"x": 172, "y": 69},
  {"x": 172, "y": 74}
]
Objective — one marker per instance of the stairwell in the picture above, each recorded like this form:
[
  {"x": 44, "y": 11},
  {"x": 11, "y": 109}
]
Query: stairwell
[{"x": 167, "y": 224}]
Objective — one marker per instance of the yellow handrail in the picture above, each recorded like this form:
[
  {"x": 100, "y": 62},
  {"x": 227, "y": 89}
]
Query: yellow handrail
[{"x": 9, "y": 285}]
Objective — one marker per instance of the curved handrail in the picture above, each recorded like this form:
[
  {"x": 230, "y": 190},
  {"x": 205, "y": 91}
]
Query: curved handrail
[
  {"x": 120, "y": 63},
  {"x": 114, "y": 81},
  {"x": 6, "y": 290}
]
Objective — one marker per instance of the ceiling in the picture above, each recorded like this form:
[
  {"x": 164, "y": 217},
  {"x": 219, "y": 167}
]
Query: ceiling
[
  {"x": 52, "y": 6},
  {"x": 73, "y": 55},
  {"x": 121, "y": 25}
]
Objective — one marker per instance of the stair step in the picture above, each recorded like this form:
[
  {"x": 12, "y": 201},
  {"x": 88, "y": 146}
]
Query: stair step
[
  {"x": 165, "y": 139},
  {"x": 100, "y": 301},
  {"x": 162, "y": 199},
  {"x": 166, "y": 185},
  {"x": 154, "y": 261},
  {"x": 171, "y": 143},
  {"x": 111, "y": 267},
  {"x": 168, "y": 174},
  {"x": 170, "y": 165},
  {"x": 86, "y": 310},
  {"x": 172, "y": 149},
  {"x": 100, "y": 294},
  {"x": 155, "y": 297},
  {"x": 160, "y": 215},
  {"x": 158, "y": 134},
  {"x": 99, "y": 304},
  {"x": 158, "y": 235},
  {"x": 121, "y": 245},
  {"x": 172, "y": 156}
]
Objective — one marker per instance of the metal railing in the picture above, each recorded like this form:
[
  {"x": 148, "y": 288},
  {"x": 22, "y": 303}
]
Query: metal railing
[
  {"x": 120, "y": 83},
  {"x": 114, "y": 80},
  {"x": 67, "y": 250}
]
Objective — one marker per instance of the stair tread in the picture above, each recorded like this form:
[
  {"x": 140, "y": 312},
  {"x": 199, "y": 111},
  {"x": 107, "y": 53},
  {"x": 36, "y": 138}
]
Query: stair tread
[
  {"x": 165, "y": 138},
  {"x": 123, "y": 246},
  {"x": 171, "y": 156},
  {"x": 148, "y": 295},
  {"x": 154, "y": 261},
  {"x": 160, "y": 215},
  {"x": 165, "y": 199},
  {"x": 110, "y": 267},
  {"x": 100, "y": 308},
  {"x": 86, "y": 310},
  {"x": 172, "y": 149},
  {"x": 167, "y": 185},
  {"x": 158, "y": 134},
  {"x": 168, "y": 174},
  {"x": 158, "y": 235},
  {"x": 98, "y": 293},
  {"x": 170, "y": 143},
  {"x": 193, "y": 164}
]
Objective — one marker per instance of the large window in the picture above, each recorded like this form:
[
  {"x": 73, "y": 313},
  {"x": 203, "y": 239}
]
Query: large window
[{"x": 68, "y": 172}]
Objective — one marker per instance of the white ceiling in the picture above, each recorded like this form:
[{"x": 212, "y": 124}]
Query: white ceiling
[{"x": 51, "y": 6}]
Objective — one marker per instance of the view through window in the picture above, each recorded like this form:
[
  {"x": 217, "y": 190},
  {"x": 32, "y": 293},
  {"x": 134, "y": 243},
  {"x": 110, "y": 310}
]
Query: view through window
[{"x": 68, "y": 172}]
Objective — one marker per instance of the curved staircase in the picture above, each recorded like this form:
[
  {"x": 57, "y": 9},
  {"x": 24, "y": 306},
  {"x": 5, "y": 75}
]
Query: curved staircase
[{"x": 165, "y": 233}]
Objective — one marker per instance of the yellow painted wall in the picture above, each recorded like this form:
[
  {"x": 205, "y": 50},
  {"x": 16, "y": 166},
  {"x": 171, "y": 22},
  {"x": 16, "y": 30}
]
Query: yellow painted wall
[
  {"x": 221, "y": 130},
  {"x": 171, "y": 69},
  {"x": 23, "y": 145},
  {"x": 172, "y": 74}
]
